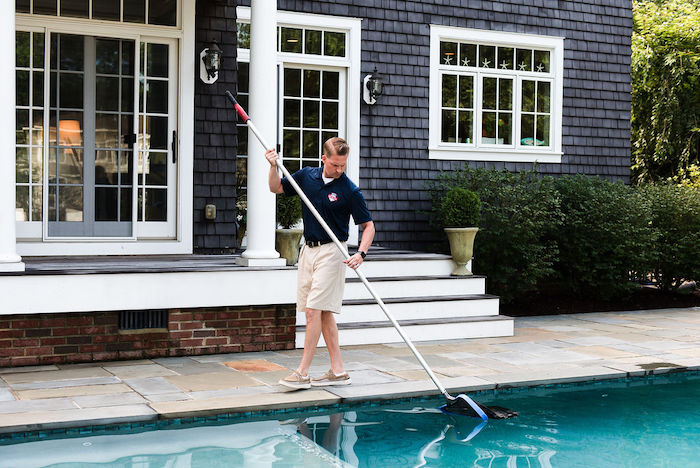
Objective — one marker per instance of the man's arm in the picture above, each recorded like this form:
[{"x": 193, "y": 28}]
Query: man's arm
[
  {"x": 367, "y": 237},
  {"x": 274, "y": 180}
]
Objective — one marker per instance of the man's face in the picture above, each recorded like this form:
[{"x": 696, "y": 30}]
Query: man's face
[{"x": 334, "y": 165}]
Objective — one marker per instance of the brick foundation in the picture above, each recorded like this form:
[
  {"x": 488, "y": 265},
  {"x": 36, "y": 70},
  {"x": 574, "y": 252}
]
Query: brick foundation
[{"x": 35, "y": 339}]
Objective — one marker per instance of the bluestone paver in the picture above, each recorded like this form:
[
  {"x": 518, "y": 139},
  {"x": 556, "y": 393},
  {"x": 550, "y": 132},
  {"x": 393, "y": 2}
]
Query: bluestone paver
[{"x": 544, "y": 350}]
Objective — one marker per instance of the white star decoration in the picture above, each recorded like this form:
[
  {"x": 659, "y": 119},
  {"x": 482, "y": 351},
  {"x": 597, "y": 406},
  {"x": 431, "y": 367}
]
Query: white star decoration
[
  {"x": 466, "y": 62},
  {"x": 540, "y": 68},
  {"x": 448, "y": 60},
  {"x": 522, "y": 66},
  {"x": 504, "y": 65},
  {"x": 487, "y": 62}
]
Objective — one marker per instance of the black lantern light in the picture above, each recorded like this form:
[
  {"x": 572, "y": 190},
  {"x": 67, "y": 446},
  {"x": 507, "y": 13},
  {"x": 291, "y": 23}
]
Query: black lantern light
[
  {"x": 373, "y": 87},
  {"x": 211, "y": 58}
]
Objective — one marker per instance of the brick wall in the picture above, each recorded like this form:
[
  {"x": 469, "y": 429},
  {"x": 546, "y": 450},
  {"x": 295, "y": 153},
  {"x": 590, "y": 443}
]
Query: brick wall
[{"x": 85, "y": 337}]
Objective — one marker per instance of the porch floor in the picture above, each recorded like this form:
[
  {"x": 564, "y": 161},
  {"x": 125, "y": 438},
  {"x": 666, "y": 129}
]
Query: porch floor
[
  {"x": 544, "y": 350},
  {"x": 170, "y": 263}
]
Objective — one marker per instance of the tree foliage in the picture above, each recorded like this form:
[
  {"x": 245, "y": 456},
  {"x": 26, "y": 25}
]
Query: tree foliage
[{"x": 666, "y": 89}]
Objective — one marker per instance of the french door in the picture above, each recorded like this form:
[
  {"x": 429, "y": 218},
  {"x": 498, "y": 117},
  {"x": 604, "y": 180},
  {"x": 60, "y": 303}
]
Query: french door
[{"x": 112, "y": 146}]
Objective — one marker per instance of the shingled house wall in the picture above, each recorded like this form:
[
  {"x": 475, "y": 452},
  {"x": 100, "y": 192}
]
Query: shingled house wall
[
  {"x": 215, "y": 136},
  {"x": 394, "y": 133}
]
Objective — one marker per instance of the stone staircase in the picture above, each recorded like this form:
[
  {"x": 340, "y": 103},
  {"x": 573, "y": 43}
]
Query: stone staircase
[{"x": 419, "y": 292}]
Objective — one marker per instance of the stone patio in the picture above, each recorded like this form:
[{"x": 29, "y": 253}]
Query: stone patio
[{"x": 544, "y": 350}]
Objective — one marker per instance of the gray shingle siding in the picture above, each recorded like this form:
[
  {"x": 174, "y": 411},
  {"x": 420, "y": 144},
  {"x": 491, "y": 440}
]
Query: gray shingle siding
[
  {"x": 394, "y": 133},
  {"x": 215, "y": 137}
]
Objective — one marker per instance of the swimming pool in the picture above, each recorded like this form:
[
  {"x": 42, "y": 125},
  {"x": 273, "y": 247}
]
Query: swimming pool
[{"x": 645, "y": 422}]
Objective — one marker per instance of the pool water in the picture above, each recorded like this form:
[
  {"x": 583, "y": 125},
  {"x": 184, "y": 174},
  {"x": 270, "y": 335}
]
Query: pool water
[{"x": 639, "y": 423}]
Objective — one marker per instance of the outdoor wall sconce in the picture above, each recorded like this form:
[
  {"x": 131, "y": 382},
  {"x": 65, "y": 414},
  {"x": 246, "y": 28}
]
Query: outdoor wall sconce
[
  {"x": 211, "y": 63},
  {"x": 372, "y": 87}
]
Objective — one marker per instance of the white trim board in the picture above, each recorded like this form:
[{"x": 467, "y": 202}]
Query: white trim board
[{"x": 106, "y": 292}]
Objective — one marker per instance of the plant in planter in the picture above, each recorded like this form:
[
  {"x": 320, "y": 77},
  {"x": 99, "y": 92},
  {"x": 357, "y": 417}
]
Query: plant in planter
[
  {"x": 287, "y": 239},
  {"x": 458, "y": 213},
  {"x": 241, "y": 217}
]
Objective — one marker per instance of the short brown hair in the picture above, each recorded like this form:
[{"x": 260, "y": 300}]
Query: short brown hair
[{"x": 336, "y": 146}]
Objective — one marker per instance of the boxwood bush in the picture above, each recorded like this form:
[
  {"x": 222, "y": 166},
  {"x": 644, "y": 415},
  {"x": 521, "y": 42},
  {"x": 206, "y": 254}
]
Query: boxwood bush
[
  {"x": 460, "y": 208},
  {"x": 605, "y": 238},
  {"x": 675, "y": 216},
  {"x": 517, "y": 213}
]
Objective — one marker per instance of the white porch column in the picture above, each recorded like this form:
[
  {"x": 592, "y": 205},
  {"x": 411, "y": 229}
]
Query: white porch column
[
  {"x": 9, "y": 260},
  {"x": 263, "y": 111}
]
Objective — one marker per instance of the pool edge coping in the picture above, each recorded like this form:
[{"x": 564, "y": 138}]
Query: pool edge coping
[{"x": 22, "y": 431}]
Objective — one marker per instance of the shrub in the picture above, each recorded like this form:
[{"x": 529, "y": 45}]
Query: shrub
[
  {"x": 288, "y": 210},
  {"x": 517, "y": 211},
  {"x": 459, "y": 208},
  {"x": 605, "y": 236},
  {"x": 675, "y": 215},
  {"x": 665, "y": 82}
]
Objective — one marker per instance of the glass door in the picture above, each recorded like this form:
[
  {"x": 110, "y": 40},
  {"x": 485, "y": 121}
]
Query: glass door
[
  {"x": 92, "y": 138},
  {"x": 90, "y": 163},
  {"x": 157, "y": 144}
]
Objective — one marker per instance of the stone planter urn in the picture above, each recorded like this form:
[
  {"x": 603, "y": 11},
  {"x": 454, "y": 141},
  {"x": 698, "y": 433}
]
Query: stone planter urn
[
  {"x": 287, "y": 244},
  {"x": 462, "y": 248}
]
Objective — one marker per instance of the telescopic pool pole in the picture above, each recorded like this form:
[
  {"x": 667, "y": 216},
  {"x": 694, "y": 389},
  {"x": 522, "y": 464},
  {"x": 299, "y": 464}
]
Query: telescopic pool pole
[{"x": 454, "y": 404}]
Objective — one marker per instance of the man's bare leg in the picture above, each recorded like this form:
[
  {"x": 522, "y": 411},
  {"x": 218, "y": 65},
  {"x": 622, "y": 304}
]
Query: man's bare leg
[
  {"x": 313, "y": 333},
  {"x": 330, "y": 335}
]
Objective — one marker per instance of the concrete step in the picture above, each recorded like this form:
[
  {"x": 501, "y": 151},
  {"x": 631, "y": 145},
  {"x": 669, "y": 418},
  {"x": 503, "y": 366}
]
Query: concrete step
[
  {"x": 414, "y": 308},
  {"x": 360, "y": 333},
  {"x": 415, "y": 286}
]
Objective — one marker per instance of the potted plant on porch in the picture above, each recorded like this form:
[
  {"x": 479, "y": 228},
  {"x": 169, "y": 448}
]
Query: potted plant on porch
[
  {"x": 459, "y": 212},
  {"x": 287, "y": 238}
]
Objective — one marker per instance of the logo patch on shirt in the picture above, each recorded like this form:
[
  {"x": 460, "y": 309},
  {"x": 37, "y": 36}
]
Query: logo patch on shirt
[{"x": 332, "y": 197}]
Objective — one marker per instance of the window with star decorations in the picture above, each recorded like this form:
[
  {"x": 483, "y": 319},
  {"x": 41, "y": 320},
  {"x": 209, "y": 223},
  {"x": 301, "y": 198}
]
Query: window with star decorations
[
  {"x": 493, "y": 100},
  {"x": 496, "y": 94}
]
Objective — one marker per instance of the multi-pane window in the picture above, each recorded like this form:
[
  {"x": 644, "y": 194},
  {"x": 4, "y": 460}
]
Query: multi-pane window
[
  {"x": 310, "y": 114},
  {"x": 495, "y": 95},
  {"x": 156, "y": 12},
  {"x": 311, "y": 42},
  {"x": 242, "y": 151},
  {"x": 114, "y": 87},
  {"x": 497, "y": 71},
  {"x": 496, "y": 111},
  {"x": 457, "y": 108},
  {"x": 535, "y": 119},
  {"x": 301, "y": 40},
  {"x": 67, "y": 122},
  {"x": 29, "y": 66}
]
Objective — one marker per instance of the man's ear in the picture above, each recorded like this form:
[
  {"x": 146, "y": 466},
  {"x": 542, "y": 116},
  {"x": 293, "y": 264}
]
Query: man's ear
[{"x": 323, "y": 158}]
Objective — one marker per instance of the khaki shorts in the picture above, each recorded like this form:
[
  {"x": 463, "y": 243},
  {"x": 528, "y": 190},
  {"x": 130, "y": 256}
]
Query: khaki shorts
[{"x": 321, "y": 278}]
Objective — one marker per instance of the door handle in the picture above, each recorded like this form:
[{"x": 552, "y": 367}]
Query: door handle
[{"x": 174, "y": 146}]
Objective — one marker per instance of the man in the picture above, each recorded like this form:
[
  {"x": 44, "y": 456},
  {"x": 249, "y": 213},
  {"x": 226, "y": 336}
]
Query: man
[{"x": 321, "y": 277}]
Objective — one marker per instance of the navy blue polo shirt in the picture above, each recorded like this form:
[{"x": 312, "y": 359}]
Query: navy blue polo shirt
[{"x": 335, "y": 201}]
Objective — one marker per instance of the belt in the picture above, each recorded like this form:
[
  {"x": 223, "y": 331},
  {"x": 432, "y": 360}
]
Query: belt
[{"x": 317, "y": 243}]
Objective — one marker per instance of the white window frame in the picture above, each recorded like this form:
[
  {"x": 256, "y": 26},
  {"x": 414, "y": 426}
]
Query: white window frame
[
  {"x": 29, "y": 234},
  {"x": 475, "y": 151},
  {"x": 352, "y": 27}
]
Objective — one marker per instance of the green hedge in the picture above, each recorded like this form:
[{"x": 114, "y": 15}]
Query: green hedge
[
  {"x": 583, "y": 235},
  {"x": 676, "y": 220},
  {"x": 605, "y": 236},
  {"x": 517, "y": 212}
]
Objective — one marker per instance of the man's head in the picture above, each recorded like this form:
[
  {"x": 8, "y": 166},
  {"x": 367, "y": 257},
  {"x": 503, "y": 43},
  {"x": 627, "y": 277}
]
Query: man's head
[{"x": 335, "y": 157}]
